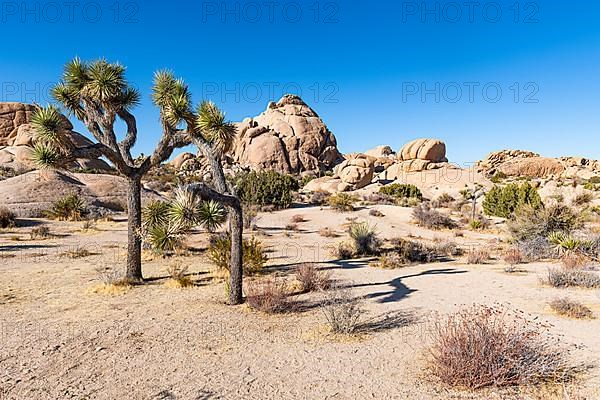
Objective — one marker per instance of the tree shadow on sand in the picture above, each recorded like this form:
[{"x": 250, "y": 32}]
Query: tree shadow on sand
[{"x": 400, "y": 290}]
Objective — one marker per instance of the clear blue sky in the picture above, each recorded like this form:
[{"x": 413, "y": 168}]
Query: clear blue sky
[{"x": 377, "y": 73}]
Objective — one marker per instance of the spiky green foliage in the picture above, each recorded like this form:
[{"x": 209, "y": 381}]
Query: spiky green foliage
[
  {"x": 401, "y": 191},
  {"x": 172, "y": 96},
  {"x": 214, "y": 127},
  {"x": 164, "y": 238},
  {"x": 364, "y": 238},
  {"x": 504, "y": 201},
  {"x": 48, "y": 123},
  {"x": 254, "y": 256},
  {"x": 69, "y": 208},
  {"x": 531, "y": 223},
  {"x": 155, "y": 213},
  {"x": 211, "y": 215},
  {"x": 45, "y": 156},
  {"x": 184, "y": 209},
  {"x": 266, "y": 188}
]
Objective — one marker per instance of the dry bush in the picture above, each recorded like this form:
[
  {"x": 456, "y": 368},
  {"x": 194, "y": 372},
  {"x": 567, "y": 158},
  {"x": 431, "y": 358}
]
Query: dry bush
[
  {"x": 574, "y": 260},
  {"x": 327, "y": 232},
  {"x": 112, "y": 283},
  {"x": 571, "y": 308},
  {"x": 583, "y": 199},
  {"x": 292, "y": 227},
  {"x": 405, "y": 252},
  {"x": 319, "y": 198},
  {"x": 478, "y": 256},
  {"x": 8, "y": 219},
  {"x": 380, "y": 198},
  {"x": 269, "y": 295},
  {"x": 513, "y": 256},
  {"x": 342, "y": 311},
  {"x": 254, "y": 256},
  {"x": 177, "y": 276},
  {"x": 77, "y": 252},
  {"x": 89, "y": 225},
  {"x": 342, "y": 202},
  {"x": 40, "y": 232},
  {"x": 432, "y": 219},
  {"x": 343, "y": 251},
  {"x": 448, "y": 248},
  {"x": 297, "y": 219},
  {"x": 489, "y": 346},
  {"x": 376, "y": 213},
  {"x": 564, "y": 278},
  {"x": 312, "y": 279}
]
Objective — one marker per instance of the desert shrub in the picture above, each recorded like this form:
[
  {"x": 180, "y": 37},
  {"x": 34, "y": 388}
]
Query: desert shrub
[
  {"x": 249, "y": 213},
  {"x": 564, "y": 278},
  {"x": 177, "y": 275},
  {"x": 8, "y": 219},
  {"x": 365, "y": 239},
  {"x": 268, "y": 296},
  {"x": 254, "y": 257},
  {"x": 432, "y": 219},
  {"x": 444, "y": 200},
  {"x": 342, "y": 202},
  {"x": 514, "y": 256},
  {"x": 376, "y": 213},
  {"x": 574, "y": 261},
  {"x": 77, "y": 252},
  {"x": 564, "y": 243},
  {"x": 583, "y": 199},
  {"x": 292, "y": 227},
  {"x": 405, "y": 252},
  {"x": 535, "y": 249},
  {"x": 211, "y": 215},
  {"x": 448, "y": 248},
  {"x": 342, "y": 311},
  {"x": 69, "y": 208},
  {"x": 379, "y": 198},
  {"x": 401, "y": 191},
  {"x": 266, "y": 188},
  {"x": 343, "y": 251},
  {"x": 530, "y": 223},
  {"x": 296, "y": 219},
  {"x": 504, "y": 201},
  {"x": 311, "y": 278},
  {"x": 319, "y": 198},
  {"x": 571, "y": 308},
  {"x": 498, "y": 177},
  {"x": 482, "y": 346},
  {"x": 40, "y": 232},
  {"x": 327, "y": 232},
  {"x": 478, "y": 256}
]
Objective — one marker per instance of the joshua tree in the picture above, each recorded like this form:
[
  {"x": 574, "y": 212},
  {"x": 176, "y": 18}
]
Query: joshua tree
[{"x": 98, "y": 94}]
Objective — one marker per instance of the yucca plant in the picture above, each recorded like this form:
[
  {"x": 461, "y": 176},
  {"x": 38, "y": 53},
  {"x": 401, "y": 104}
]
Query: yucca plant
[
  {"x": 364, "y": 237},
  {"x": 184, "y": 209},
  {"x": 154, "y": 214},
  {"x": 164, "y": 238},
  {"x": 211, "y": 215},
  {"x": 68, "y": 208},
  {"x": 565, "y": 243}
]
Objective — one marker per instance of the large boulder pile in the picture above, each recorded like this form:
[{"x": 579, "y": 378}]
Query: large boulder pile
[
  {"x": 519, "y": 163},
  {"x": 17, "y": 138},
  {"x": 30, "y": 194},
  {"x": 289, "y": 137}
]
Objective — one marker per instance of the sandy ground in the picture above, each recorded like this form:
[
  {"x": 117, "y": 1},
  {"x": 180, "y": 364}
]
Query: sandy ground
[{"x": 60, "y": 341}]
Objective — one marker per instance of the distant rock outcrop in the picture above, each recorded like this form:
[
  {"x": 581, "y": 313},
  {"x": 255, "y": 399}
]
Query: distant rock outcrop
[
  {"x": 30, "y": 194},
  {"x": 17, "y": 137},
  {"x": 289, "y": 137}
]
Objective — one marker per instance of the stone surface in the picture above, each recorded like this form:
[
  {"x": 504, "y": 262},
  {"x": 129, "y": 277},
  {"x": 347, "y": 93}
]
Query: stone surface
[
  {"x": 424, "y": 149},
  {"x": 380, "y": 152},
  {"x": 356, "y": 172},
  {"x": 289, "y": 137}
]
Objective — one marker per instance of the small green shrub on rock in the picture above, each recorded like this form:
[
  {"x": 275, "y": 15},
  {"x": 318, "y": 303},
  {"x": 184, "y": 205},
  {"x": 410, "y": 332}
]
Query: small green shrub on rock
[
  {"x": 401, "y": 191},
  {"x": 503, "y": 201},
  {"x": 69, "y": 208}
]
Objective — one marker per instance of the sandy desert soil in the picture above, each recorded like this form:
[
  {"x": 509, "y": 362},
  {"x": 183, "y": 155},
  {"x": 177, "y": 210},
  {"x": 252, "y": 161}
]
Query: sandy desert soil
[{"x": 61, "y": 341}]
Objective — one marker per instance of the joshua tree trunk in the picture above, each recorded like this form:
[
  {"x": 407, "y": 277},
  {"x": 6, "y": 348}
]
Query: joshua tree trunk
[
  {"x": 134, "y": 225},
  {"x": 236, "y": 225}
]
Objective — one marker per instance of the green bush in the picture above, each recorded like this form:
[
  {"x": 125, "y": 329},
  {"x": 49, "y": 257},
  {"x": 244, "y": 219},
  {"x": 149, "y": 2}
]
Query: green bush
[
  {"x": 7, "y": 218},
  {"x": 342, "y": 202},
  {"x": 498, "y": 177},
  {"x": 529, "y": 223},
  {"x": 266, "y": 188},
  {"x": 504, "y": 201},
  {"x": 69, "y": 208},
  {"x": 253, "y": 254},
  {"x": 401, "y": 191}
]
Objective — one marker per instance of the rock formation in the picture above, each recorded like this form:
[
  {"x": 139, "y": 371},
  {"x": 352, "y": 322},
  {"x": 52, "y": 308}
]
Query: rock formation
[
  {"x": 17, "y": 137},
  {"x": 289, "y": 137}
]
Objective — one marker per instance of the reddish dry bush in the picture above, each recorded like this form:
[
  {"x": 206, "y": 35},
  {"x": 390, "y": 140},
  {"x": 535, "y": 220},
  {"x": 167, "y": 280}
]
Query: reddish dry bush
[
  {"x": 296, "y": 219},
  {"x": 570, "y": 308},
  {"x": 573, "y": 260},
  {"x": 478, "y": 256},
  {"x": 514, "y": 256},
  {"x": 489, "y": 346},
  {"x": 269, "y": 296},
  {"x": 312, "y": 279}
]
